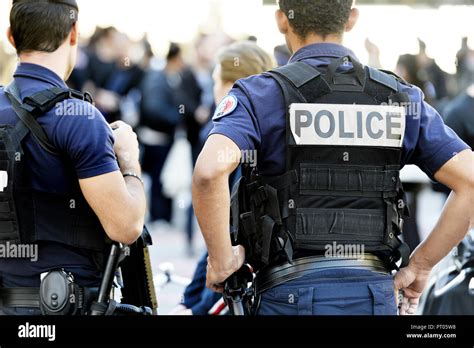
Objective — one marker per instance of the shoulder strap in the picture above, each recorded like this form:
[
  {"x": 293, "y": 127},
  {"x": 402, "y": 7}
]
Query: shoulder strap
[
  {"x": 291, "y": 78},
  {"x": 383, "y": 78},
  {"x": 392, "y": 81},
  {"x": 42, "y": 102},
  {"x": 36, "y": 106},
  {"x": 28, "y": 119},
  {"x": 298, "y": 73}
]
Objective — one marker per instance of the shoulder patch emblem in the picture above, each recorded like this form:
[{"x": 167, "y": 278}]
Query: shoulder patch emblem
[{"x": 226, "y": 107}]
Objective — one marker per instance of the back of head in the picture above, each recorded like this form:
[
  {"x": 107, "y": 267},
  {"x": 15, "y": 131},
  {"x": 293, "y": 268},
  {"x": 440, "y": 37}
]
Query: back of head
[
  {"x": 243, "y": 59},
  {"x": 42, "y": 25},
  {"x": 101, "y": 34},
  {"x": 320, "y": 17},
  {"x": 173, "y": 52}
]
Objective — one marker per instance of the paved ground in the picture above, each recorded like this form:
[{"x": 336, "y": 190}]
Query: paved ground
[{"x": 170, "y": 248}]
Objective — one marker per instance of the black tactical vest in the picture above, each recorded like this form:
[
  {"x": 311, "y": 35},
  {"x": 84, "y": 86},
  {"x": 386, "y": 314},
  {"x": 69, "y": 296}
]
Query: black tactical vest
[
  {"x": 27, "y": 215},
  {"x": 344, "y": 137}
]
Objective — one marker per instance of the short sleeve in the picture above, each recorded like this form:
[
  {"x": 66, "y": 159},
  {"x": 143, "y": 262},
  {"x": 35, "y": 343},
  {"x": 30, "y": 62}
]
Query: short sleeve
[
  {"x": 237, "y": 123},
  {"x": 86, "y": 138},
  {"x": 437, "y": 143}
]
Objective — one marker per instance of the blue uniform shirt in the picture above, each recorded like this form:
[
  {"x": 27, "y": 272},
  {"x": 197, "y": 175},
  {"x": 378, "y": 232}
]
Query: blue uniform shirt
[
  {"x": 83, "y": 136},
  {"x": 258, "y": 120}
]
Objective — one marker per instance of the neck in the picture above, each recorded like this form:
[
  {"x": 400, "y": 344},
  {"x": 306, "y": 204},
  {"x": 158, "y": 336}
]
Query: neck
[
  {"x": 171, "y": 68},
  {"x": 52, "y": 61},
  {"x": 297, "y": 42}
]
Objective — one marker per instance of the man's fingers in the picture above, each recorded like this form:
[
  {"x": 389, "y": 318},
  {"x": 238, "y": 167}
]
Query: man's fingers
[
  {"x": 399, "y": 282},
  {"x": 409, "y": 306},
  {"x": 119, "y": 124},
  {"x": 404, "y": 278}
]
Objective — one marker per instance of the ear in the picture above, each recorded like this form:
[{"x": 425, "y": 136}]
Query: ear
[
  {"x": 74, "y": 38},
  {"x": 354, "y": 16},
  {"x": 282, "y": 22},
  {"x": 10, "y": 37}
]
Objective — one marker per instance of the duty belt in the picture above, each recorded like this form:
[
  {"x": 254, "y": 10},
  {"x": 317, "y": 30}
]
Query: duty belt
[
  {"x": 274, "y": 276},
  {"x": 30, "y": 297},
  {"x": 20, "y": 298}
]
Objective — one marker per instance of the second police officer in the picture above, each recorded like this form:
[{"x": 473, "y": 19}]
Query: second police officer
[
  {"x": 320, "y": 217},
  {"x": 75, "y": 186}
]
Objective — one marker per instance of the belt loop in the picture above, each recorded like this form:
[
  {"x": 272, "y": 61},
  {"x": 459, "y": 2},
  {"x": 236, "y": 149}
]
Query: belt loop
[{"x": 305, "y": 301}]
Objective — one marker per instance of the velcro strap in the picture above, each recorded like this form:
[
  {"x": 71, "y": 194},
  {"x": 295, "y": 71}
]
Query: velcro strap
[
  {"x": 45, "y": 100},
  {"x": 383, "y": 78},
  {"x": 267, "y": 233},
  {"x": 318, "y": 223},
  {"x": 298, "y": 73},
  {"x": 330, "y": 179}
]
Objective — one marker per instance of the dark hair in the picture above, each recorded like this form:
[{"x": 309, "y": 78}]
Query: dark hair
[
  {"x": 322, "y": 17},
  {"x": 101, "y": 33},
  {"x": 410, "y": 63},
  {"x": 173, "y": 52},
  {"x": 41, "y": 25}
]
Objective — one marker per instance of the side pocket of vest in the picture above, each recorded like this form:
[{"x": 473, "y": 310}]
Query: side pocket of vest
[
  {"x": 9, "y": 224},
  {"x": 316, "y": 227}
]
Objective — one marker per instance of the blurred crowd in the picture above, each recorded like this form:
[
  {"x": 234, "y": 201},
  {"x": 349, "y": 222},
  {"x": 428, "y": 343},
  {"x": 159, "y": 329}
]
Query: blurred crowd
[
  {"x": 168, "y": 100},
  {"x": 451, "y": 95}
]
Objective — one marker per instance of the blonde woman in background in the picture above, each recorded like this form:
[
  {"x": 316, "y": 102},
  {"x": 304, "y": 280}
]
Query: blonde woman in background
[
  {"x": 7, "y": 65},
  {"x": 237, "y": 61}
]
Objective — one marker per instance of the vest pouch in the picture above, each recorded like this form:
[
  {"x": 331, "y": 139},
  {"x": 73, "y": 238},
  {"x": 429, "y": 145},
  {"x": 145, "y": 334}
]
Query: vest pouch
[
  {"x": 248, "y": 236},
  {"x": 9, "y": 222},
  {"x": 59, "y": 295},
  {"x": 315, "y": 228}
]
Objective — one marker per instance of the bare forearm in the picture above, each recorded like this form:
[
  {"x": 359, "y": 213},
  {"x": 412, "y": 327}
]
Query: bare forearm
[
  {"x": 136, "y": 200},
  {"x": 448, "y": 233},
  {"x": 212, "y": 207},
  {"x": 135, "y": 204}
]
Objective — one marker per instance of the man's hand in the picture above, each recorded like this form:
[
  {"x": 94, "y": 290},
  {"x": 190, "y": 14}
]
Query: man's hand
[
  {"x": 218, "y": 274},
  {"x": 411, "y": 281},
  {"x": 211, "y": 200},
  {"x": 120, "y": 204},
  {"x": 452, "y": 227},
  {"x": 126, "y": 146}
]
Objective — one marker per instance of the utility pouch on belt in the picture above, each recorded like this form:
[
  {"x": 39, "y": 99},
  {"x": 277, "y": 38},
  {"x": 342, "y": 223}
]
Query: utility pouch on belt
[{"x": 59, "y": 295}]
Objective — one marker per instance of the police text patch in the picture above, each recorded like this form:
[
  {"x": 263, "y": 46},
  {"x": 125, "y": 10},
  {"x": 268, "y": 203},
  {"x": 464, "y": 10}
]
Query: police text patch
[
  {"x": 226, "y": 107},
  {"x": 348, "y": 125}
]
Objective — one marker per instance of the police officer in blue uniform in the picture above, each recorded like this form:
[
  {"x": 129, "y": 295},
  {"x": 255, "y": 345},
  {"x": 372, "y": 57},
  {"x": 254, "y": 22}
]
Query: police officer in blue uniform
[
  {"x": 72, "y": 181},
  {"x": 319, "y": 217}
]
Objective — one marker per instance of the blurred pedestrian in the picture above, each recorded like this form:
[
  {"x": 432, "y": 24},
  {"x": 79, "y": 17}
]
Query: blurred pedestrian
[
  {"x": 160, "y": 116},
  {"x": 198, "y": 300}
]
